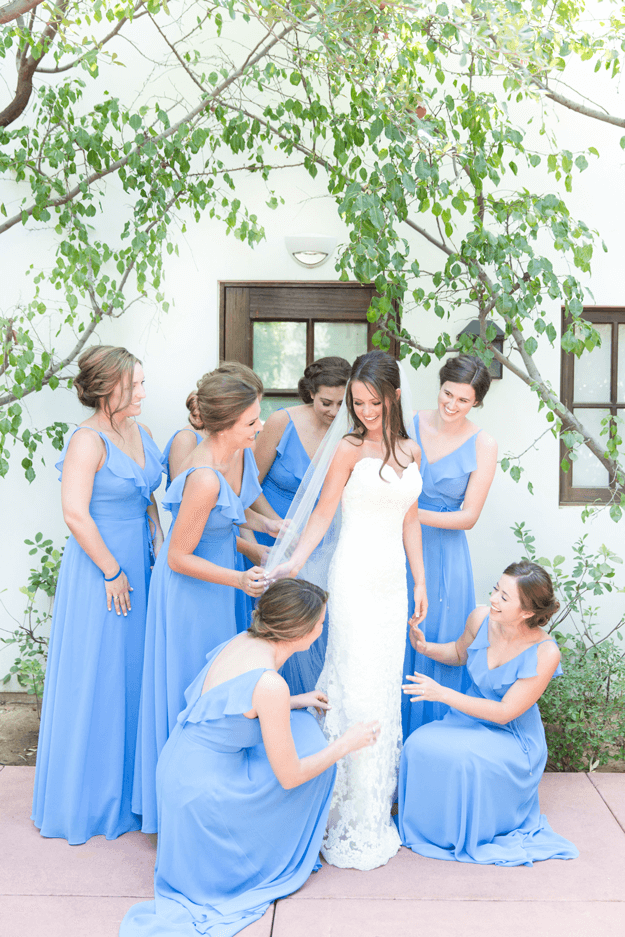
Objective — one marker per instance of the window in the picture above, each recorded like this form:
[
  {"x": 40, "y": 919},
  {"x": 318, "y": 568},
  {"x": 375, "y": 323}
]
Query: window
[
  {"x": 280, "y": 328},
  {"x": 593, "y": 387}
]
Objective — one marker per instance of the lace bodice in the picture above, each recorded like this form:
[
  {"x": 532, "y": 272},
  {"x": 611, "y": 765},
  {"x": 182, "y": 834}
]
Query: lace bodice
[{"x": 362, "y": 675}]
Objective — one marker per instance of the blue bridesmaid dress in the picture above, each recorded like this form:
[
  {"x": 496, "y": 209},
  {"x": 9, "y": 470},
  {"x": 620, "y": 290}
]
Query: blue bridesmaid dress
[
  {"x": 285, "y": 475},
  {"x": 302, "y": 669},
  {"x": 166, "y": 450},
  {"x": 186, "y": 619},
  {"x": 448, "y": 576},
  {"x": 85, "y": 758},
  {"x": 243, "y": 603},
  {"x": 468, "y": 788},
  {"x": 231, "y": 839}
]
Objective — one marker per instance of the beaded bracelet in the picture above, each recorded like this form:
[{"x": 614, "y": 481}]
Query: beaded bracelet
[{"x": 118, "y": 573}]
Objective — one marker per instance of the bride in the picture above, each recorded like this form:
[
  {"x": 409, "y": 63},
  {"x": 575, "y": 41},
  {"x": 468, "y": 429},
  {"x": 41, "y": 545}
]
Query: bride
[{"x": 375, "y": 475}]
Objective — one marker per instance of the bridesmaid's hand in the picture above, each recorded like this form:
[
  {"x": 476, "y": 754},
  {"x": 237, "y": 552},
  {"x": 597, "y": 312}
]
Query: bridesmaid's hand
[
  {"x": 257, "y": 553},
  {"x": 273, "y": 528},
  {"x": 315, "y": 700},
  {"x": 286, "y": 570},
  {"x": 420, "y": 605},
  {"x": 424, "y": 689},
  {"x": 417, "y": 639},
  {"x": 361, "y": 735},
  {"x": 253, "y": 581},
  {"x": 118, "y": 594}
]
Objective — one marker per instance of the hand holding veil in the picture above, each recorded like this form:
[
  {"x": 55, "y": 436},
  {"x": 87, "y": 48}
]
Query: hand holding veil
[{"x": 317, "y": 565}]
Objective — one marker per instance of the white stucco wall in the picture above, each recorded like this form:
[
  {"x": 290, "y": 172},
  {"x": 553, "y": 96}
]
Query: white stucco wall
[{"x": 178, "y": 347}]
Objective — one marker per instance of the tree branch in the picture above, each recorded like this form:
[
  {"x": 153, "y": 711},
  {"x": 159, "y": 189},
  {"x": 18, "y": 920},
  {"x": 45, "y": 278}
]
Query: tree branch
[
  {"x": 16, "y": 8},
  {"x": 151, "y": 141},
  {"x": 107, "y": 38},
  {"x": 28, "y": 65}
]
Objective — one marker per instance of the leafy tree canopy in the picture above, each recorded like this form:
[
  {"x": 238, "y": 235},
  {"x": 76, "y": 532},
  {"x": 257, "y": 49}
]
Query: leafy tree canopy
[{"x": 405, "y": 110}]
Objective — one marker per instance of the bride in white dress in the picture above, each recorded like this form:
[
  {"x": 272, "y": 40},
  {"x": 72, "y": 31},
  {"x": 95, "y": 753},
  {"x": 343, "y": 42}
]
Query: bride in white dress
[{"x": 375, "y": 475}]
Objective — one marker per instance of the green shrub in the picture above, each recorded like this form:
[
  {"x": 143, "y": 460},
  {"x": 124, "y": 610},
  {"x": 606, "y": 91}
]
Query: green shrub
[
  {"x": 583, "y": 711},
  {"x": 32, "y": 643}
]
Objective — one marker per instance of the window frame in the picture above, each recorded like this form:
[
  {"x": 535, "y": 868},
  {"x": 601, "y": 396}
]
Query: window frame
[
  {"x": 279, "y": 304},
  {"x": 599, "y": 315}
]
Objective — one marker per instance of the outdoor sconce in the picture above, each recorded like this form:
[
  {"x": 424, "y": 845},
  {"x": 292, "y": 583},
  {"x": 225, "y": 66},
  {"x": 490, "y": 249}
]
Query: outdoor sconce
[
  {"x": 473, "y": 328},
  {"x": 310, "y": 250}
]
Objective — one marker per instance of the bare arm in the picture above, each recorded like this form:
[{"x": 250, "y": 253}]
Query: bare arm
[
  {"x": 86, "y": 453},
  {"x": 521, "y": 695},
  {"x": 476, "y": 493},
  {"x": 200, "y": 495},
  {"x": 183, "y": 444},
  {"x": 338, "y": 474},
  {"x": 272, "y": 704},
  {"x": 157, "y": 539},
  {"x": 261, "y": 524},
  {"x": 453, "y": 653}
]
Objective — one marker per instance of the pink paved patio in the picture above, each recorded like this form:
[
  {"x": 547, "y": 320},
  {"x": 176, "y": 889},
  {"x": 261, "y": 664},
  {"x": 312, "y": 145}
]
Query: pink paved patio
[{"x": 50, "y": 888}]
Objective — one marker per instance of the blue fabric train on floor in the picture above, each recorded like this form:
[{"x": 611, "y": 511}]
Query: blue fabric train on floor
[
  {"x": 231, "y": 839},
  {"x": 468, "y": 788}
]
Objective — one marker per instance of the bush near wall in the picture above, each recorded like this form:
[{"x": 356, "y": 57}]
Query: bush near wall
[{"x": 584, "y": 710}]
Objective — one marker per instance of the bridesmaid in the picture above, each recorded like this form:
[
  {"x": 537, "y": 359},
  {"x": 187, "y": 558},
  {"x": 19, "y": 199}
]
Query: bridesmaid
[
  {"x": 468, "y": 785},
  {"x": 284, "y": 449},
  {"x": 192, "y": 597},
  {"x": 109, "y": 468},
  {"x": 457, "y": 466},
  {"x": 244, "y": 781},
  {"x": 291, "y": 437},
  {"x": 177, "y": 451}
]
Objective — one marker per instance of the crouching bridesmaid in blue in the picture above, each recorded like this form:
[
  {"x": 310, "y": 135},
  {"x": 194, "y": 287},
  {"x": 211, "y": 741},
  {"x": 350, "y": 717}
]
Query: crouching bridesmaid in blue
[
  {"x": 244, "y": 781},
  {"x": 109, "y": 469},
  {"x": 468, "y": 784}
]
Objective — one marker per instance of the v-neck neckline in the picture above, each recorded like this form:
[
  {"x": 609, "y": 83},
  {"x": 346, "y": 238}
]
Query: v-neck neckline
[
  {"x": 447, "y": 454},
  {"x": 488, "y": 644},
  {"x": 119, "y": 449}
]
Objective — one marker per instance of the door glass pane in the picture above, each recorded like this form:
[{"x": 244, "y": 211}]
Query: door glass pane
[
  {"x": 592, "y": 370},
  {"x": 279, "y": 353},
  {"x": 587, "y": 470},
  {"x": 344, "y": 339},
  {"x": 269, "y": 404},
  {"x": 620, "y": 389}
]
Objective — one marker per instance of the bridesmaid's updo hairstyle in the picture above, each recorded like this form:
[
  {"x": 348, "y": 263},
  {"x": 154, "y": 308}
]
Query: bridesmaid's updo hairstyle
[
  {"x": 380, "y": 372},
  {"x": 233, "y": 368},
  {"x": 466, "y": 369},
  {"x": 219, "y": 401},
  {"x": 535, "y": 591},
  {"x": 325, "y": 372},
  {"x": 101, "y": 369},
  {"x": 288, "y": 610}
]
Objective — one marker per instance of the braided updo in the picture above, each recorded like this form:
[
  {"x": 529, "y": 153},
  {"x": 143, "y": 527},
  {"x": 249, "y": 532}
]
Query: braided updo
[
  {"x": 325, "y": 372},
  {"x": 535, "y": 591},
  {"x": 288, "y": 610}
]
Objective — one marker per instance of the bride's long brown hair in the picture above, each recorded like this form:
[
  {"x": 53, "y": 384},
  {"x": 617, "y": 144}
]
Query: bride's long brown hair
[{"x": 380, "y": 373}]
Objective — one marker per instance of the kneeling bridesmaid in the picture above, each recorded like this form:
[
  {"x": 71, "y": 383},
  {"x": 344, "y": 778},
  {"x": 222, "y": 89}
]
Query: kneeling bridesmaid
[
  {"x": 244, "y": 782},
  {"x": 468, "y": 784}
]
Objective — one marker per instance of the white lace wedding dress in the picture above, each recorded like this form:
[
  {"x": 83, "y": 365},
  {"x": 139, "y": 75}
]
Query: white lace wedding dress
[{"x": 363, "y": 670}]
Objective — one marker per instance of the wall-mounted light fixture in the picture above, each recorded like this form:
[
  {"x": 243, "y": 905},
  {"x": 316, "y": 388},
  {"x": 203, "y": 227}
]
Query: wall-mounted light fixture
[
  {"x": 310, "y": 250},
  {"x": 473, "y": 328}
]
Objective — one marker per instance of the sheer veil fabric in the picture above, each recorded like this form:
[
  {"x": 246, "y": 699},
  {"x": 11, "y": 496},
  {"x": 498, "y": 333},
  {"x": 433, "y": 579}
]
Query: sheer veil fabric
[{"x": 316, "y": 567}]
